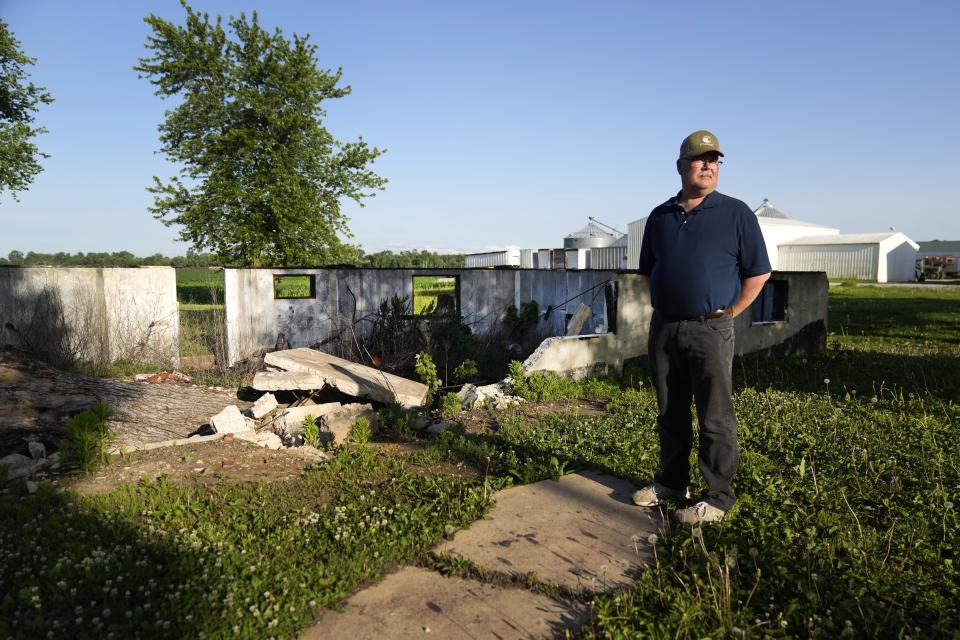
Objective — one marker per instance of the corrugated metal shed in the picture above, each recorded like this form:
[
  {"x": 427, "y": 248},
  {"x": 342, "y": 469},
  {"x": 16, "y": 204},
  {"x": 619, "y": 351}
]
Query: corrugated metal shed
[
  {"x": 504, "y": 258},
  {"x": 612, "y": 257},
  {"x": 883, "y": 257}
]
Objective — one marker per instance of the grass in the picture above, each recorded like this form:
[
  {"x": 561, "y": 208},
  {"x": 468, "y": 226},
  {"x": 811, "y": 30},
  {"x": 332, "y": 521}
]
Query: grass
[
  {"x": 846, "y": 524},
  {"x": 426, "y": 290}
]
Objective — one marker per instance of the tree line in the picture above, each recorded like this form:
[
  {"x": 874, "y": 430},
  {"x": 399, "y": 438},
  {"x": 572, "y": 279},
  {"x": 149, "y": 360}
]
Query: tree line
[{"x": 410, "y": 259}]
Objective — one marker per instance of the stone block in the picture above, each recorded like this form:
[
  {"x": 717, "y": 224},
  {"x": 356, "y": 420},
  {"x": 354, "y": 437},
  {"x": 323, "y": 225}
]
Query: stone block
[
  {"x": 264, "y": 405},
  {"x": 340, "y": 423},
  {"x": 37, "y": 450},
  {"x": 230, "y": 420}
]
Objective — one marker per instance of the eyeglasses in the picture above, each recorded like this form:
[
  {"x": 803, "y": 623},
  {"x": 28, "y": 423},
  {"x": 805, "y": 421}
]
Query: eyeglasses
[{"x": 699, "y": 163}]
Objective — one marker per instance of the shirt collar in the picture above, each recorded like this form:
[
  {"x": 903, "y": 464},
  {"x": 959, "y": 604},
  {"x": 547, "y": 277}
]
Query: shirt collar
[{"x": 708, "y": 203}]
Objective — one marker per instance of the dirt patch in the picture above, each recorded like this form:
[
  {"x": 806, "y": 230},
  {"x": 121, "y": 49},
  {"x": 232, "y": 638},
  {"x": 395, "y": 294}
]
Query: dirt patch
[
  {"x": 481, "y": 420},
  {"x": 207, "y": 464}
]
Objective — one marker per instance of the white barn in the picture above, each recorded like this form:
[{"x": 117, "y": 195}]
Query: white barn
[
  {"x": 778, "y": 228},
  {"x": 882, "y": 257}
]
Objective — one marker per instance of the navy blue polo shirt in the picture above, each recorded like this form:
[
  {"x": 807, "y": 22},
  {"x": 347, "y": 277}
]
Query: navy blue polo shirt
[{"x": 696, "y": 260}]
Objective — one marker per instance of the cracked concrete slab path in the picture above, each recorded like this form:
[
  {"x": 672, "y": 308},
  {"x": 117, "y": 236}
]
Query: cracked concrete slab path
[
  {"x": 581, "y": 533},
  {"x": 419, "y": 603}
]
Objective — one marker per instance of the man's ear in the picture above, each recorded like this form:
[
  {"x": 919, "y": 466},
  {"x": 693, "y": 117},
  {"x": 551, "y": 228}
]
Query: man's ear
[{"x": 678, "y": 167}]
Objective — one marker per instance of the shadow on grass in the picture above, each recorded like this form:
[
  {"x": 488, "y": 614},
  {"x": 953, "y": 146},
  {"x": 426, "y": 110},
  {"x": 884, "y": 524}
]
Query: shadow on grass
[
  {"x": 865, "y": 374},
  {"x": 68, "y": 571}
]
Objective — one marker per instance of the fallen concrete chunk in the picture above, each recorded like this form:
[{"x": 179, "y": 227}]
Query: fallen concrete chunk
[
  {"x": 264, "y": 405},
  {"x": 351, "y": 378},
  {"x": 494, "y": 394},
  {"x": 579, "y": 318},
  {"x": 287, "y": 381},
  {"x": 37, "y": 450},
  {"x": 18, "y": 465},
  {"x": 439, "y": 427},
  {"x": 290, "y": 420},
  {"x": 230, "y": 420},
  {"x": 269, "y": 440},
  {"x": 340, "y": 423}
]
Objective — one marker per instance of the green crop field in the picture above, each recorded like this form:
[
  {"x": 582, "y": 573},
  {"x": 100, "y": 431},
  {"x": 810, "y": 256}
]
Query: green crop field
[
  {"x": 846, "y": 526},
  {"x": 200, "y": 286},
  {"x": 426, "y": 289}
]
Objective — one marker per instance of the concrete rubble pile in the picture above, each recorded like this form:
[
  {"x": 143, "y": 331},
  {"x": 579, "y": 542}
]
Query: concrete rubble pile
[{"x": 305, "y": 372}]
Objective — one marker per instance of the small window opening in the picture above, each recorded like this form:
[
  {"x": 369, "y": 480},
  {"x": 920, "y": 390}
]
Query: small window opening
[
  {"x": 294, "y": 286},
  {"x": 771, "y": 305},
  {"x": 611, "y": 296},
  {"x": 436, "y": 295}
]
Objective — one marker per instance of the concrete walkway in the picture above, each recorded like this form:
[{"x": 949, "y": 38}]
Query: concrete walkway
[{"x": 581, "y": 534}]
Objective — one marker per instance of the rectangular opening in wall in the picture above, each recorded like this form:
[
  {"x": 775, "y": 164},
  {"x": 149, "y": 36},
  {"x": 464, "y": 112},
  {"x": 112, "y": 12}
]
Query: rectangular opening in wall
[
  {"x": 294, "y": 286},
  {"x": 436, "y": 294},
  {"x": 611, "y": 297},
  {"x": 771, "y": 305}
]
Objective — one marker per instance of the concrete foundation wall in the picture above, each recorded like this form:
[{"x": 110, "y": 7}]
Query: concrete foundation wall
[
  {"x": 802, "y": 331},
  {"x": 351, "y": 297},
  {"x": 86, "y": 313}
]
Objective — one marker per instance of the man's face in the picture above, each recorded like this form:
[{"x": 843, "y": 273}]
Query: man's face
[{"x": 700, "y": 173}]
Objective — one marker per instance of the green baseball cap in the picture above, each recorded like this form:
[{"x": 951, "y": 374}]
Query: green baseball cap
[{"x": 699, "y": 143}]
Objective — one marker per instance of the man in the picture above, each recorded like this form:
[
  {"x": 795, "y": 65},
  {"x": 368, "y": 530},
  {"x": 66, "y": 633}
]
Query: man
[{"x": 705, "y": 260}]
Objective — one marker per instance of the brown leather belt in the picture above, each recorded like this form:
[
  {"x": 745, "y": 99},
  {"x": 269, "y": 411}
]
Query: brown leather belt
[{"x": 713, "y": 315}]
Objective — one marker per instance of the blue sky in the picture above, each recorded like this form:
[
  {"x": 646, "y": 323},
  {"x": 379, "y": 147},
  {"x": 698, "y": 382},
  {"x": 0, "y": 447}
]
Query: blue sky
[{"x": 508, "y": 123}]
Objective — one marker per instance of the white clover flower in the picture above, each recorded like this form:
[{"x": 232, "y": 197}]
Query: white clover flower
[
  {"x": 948, "y": 505},
  {"x": 826, "y": 381},
  {"x": 652, "y": 538}
]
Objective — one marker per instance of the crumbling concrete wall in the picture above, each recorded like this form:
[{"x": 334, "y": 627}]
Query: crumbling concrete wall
[
  {"x": 803, "y": 330},
  {"x": 254, "y": 317},
  {"x": 67, "y": 314}
]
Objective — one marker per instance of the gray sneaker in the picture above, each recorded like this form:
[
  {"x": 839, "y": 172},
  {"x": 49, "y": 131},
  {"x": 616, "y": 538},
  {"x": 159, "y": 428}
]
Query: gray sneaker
[
  {"x": 653, "y": 493},
  {"x": 700, "y": 513}
]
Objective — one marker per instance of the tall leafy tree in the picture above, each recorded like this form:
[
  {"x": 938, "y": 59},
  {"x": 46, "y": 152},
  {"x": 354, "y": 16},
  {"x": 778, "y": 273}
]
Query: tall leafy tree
[
  {"x": 262, "y": 179},
  {"x": 19, "y": 101}
]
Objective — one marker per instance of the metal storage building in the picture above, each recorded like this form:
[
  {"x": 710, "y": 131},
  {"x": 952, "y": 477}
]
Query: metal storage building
[
  {"x": 883, "y": 257},
  {"x": 778, "y": 228},
  {"x": 504, "y": 258}
]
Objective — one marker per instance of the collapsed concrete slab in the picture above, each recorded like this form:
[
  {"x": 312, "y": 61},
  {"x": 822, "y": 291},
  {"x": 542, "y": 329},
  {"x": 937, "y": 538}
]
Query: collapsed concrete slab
[
  {"x": 415, "y": 602},
  {"x": 351, "y": 378},
  {"x": 287, "y": 381},
  {"x": 581, "y": 532}
]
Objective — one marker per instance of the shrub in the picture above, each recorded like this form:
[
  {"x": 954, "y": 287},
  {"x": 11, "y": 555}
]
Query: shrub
[
  {"x": 518, "y": 379},
  {"x": 88, "y": 439},
  {"x": 465, "y": 370},
  {"x": 428, "y": 373},
  {"x": 449, "y": 406},
  {"x": 311, "y": 432},
  {"x": 361, "y": 432}
]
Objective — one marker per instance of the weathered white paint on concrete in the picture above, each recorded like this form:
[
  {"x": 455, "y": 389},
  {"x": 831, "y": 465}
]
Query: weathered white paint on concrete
[
  {"x": 96, "y": 313},
  {"x": 581, "y": 532},
  {"x": 418, "y": 603},
  {"x": 802, "y": 331},
  {"x": 348, "y": 299}
]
